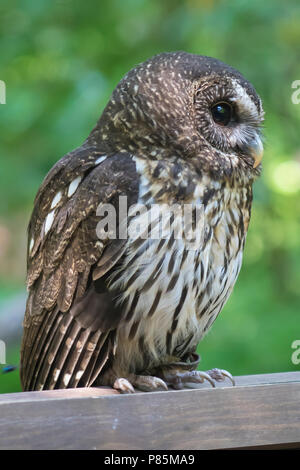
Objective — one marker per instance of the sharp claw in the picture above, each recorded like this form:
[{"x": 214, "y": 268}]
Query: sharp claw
[
  {"x": 227, "y": 374},
  {"x": 149, "y": 383},
  {"x": 207, "y": 377},
  {"x": 123, "y": 385},
  {"x": 196, "y": 376},
  {"x": 160, "y": 384},
  {"x": 220, "y": 375}
]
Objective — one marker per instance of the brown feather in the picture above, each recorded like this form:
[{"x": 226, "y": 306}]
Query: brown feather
[{"x": 60, "y": 271}]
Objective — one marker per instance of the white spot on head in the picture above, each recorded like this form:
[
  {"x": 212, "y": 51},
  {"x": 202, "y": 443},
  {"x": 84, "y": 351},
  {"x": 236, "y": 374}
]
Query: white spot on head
[
  {"x": 100, "y": 159},
  {"x": 56, "y": 200},
  {"x": 49, "y": 221},
  {"x": 73, "y": 186}
]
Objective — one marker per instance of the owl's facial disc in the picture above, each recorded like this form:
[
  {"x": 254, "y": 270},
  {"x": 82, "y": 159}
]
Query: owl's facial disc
[{"x": 230, "y": 119}]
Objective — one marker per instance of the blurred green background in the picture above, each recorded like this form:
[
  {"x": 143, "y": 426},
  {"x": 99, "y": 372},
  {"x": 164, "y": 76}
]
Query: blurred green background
[{"x": 60, "y": 61}]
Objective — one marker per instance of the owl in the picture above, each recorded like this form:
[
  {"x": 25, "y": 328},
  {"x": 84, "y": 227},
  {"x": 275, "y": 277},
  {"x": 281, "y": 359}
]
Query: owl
[{"x": 136, "y": 237}]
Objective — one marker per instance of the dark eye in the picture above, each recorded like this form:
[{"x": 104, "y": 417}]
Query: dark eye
[{"x": 222, "y": 113}]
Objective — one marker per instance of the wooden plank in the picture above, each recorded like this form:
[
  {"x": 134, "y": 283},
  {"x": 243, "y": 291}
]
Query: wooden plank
[
  {"x": 242, "y": 380},
  {"x": 264, "y": 413},
  {"x": 12, "y": 398}
]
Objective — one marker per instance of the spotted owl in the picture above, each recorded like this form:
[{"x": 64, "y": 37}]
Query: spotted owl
[{"x": 128, "y": 312}]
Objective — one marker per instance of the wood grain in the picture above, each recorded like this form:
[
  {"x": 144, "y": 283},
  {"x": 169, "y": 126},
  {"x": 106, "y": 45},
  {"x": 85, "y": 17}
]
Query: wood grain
[{"x": 260, "y": 411}]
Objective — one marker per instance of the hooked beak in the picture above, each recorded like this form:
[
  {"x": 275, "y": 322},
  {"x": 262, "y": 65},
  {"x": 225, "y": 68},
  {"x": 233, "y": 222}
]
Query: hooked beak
[{"x": 257, "y": 151}]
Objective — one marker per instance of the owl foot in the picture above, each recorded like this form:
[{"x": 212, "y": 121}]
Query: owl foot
[
  {"x": 178, "y": 379},
  {"x": 145, "y": 383}
]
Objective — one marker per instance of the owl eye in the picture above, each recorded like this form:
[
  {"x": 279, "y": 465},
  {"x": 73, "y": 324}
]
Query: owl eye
[{"x": 222, "y": 113}]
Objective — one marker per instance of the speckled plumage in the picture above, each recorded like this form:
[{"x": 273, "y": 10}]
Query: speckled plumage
[{"x": 102, "y": 310}]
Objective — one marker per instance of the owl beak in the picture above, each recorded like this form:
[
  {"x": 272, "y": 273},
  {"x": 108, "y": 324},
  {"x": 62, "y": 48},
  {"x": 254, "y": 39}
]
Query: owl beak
[{"x": 257, "y": 151}]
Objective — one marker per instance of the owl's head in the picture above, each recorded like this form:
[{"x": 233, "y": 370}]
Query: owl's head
[{"x": 194, "y": 107}]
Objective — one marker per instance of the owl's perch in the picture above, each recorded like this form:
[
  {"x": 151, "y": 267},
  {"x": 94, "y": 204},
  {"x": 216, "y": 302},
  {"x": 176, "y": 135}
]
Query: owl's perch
[{"x": 261, "y": 411}]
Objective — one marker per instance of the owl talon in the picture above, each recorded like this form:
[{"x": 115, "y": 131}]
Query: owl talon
[
  {"x": 123, "y": 386},
  {"x": 219, "y": 375},
  {"x": 148, "y": 383},
  {"x": 195, "y": 376}
]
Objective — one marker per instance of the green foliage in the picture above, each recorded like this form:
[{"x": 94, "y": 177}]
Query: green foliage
[{"x": 60, "y": 61}]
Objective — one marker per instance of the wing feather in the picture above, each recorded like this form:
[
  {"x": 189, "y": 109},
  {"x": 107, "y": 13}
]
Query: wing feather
[{"x": 71, "y": 318}]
